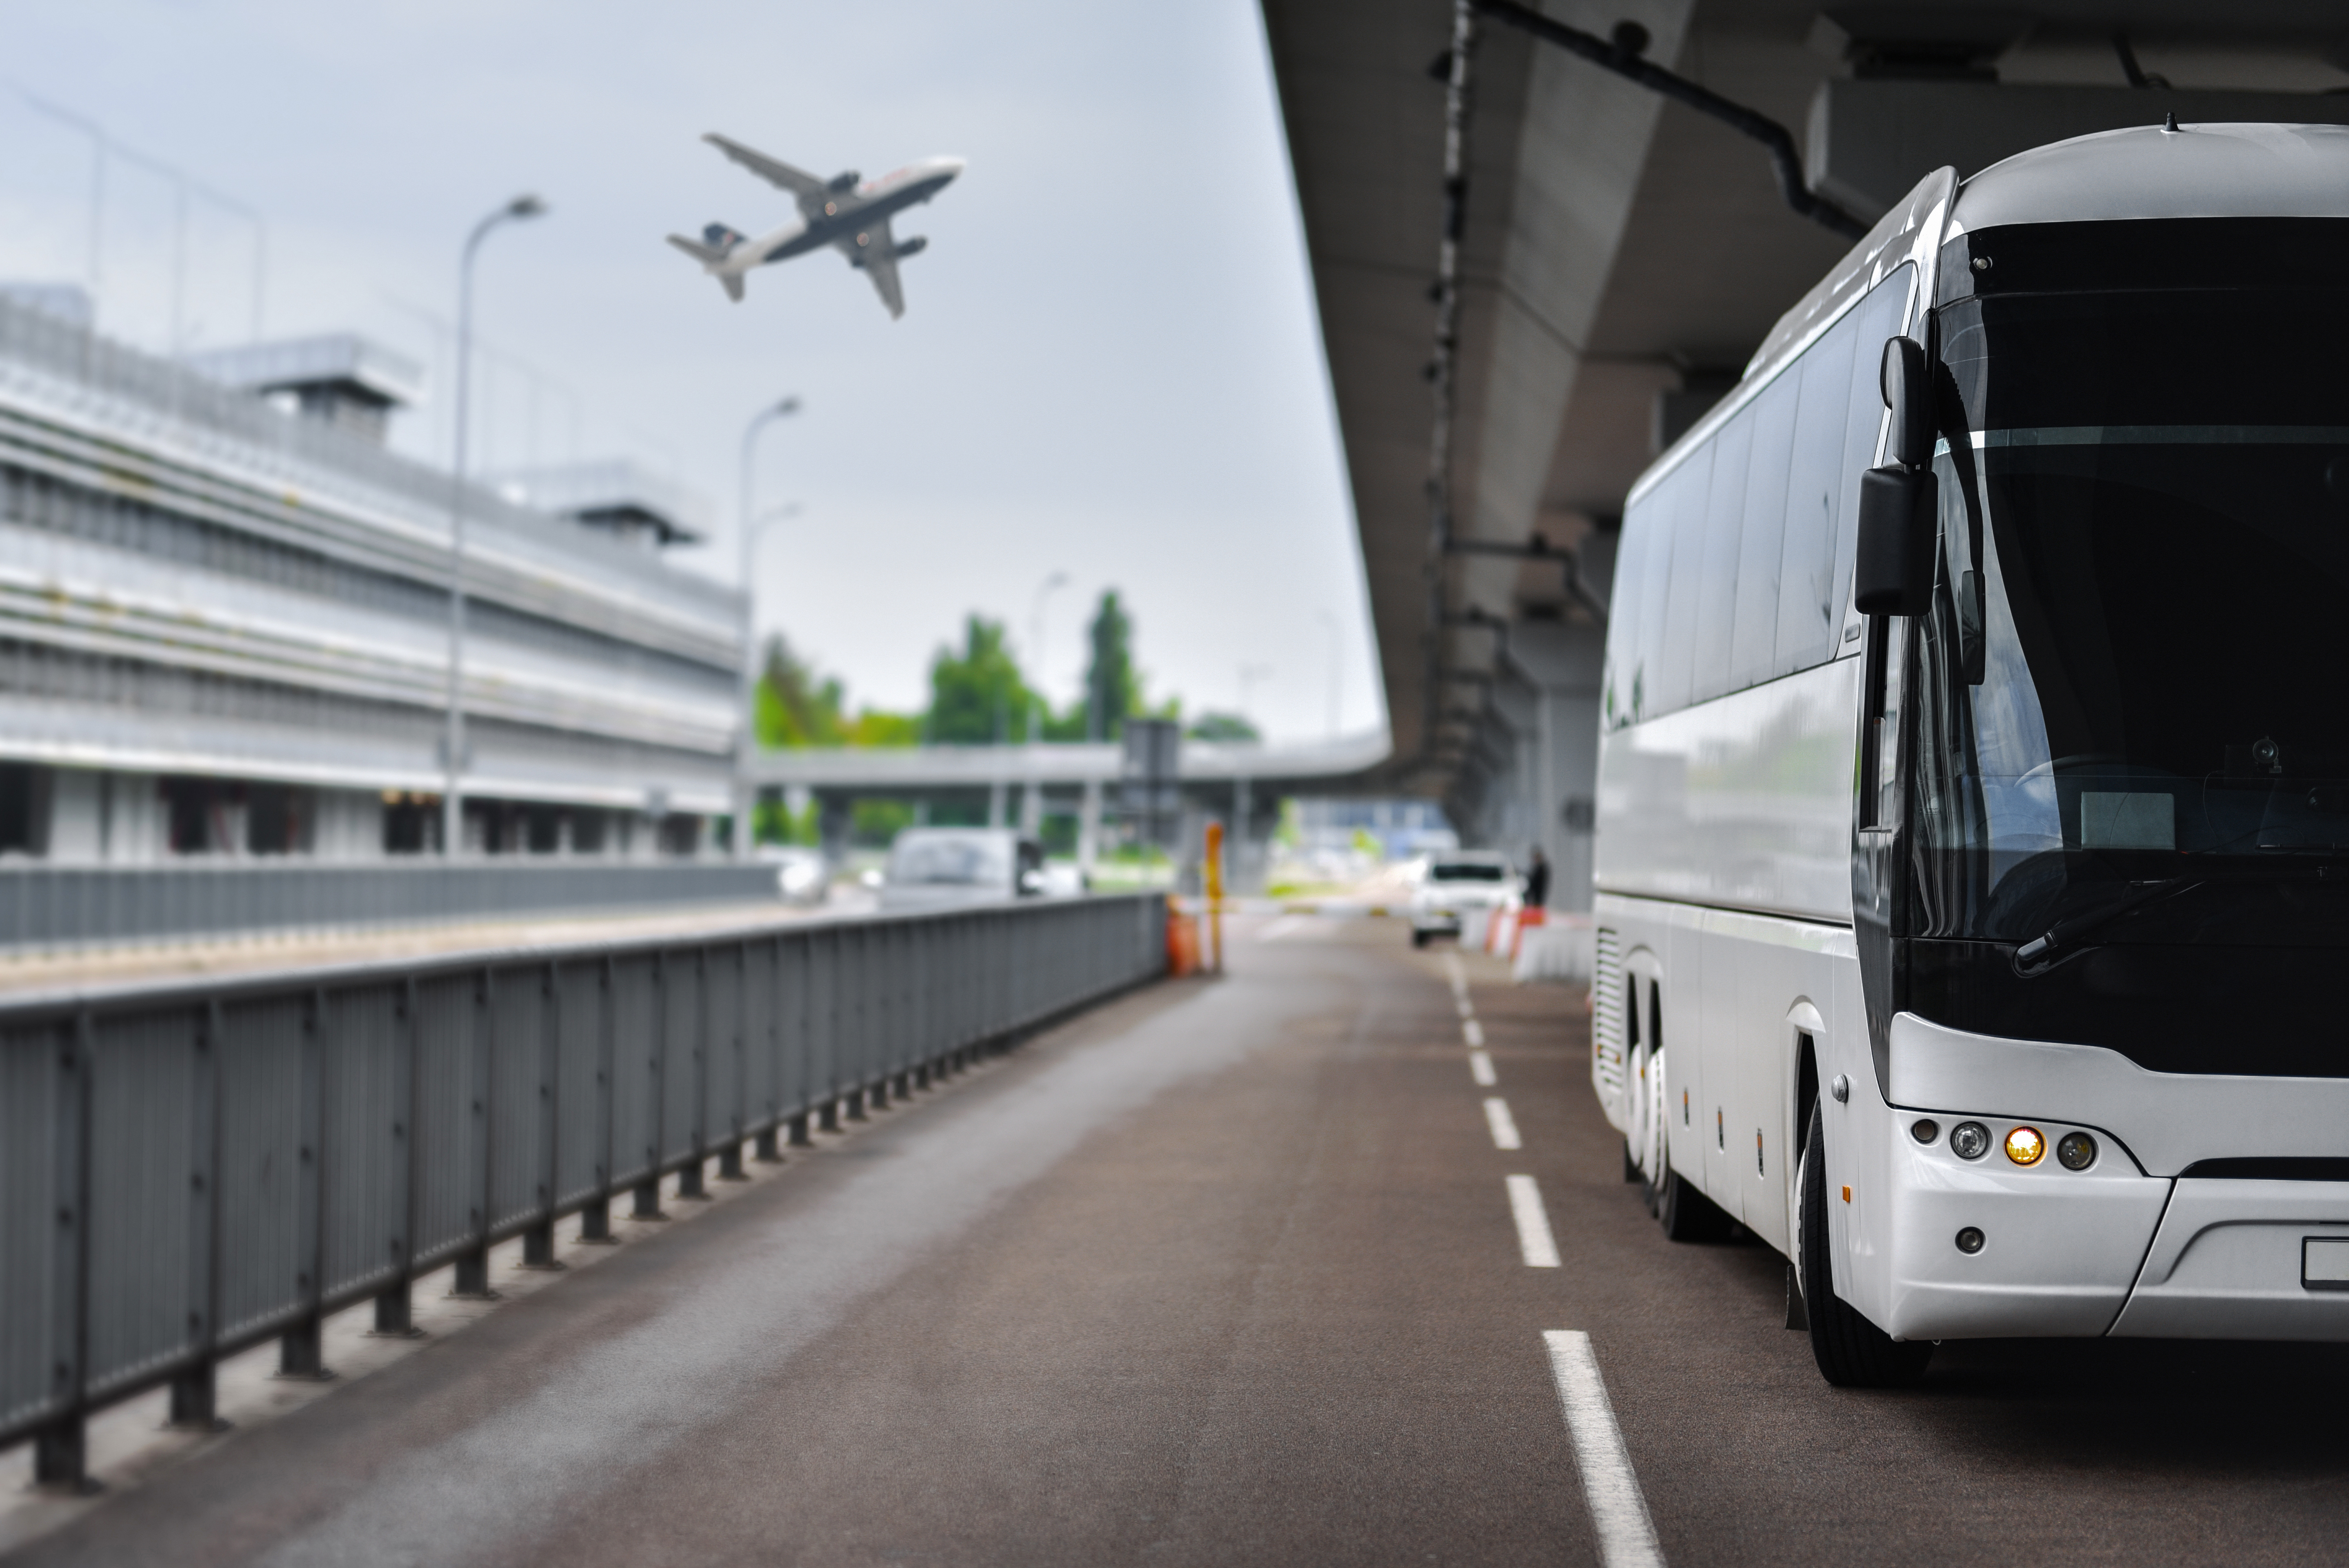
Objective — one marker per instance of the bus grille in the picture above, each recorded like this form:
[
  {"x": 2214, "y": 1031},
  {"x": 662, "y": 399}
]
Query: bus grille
[{"x": 1607, "y": 1013}]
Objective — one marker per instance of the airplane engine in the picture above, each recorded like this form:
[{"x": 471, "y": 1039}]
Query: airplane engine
[{"x": 913, "y": 247}]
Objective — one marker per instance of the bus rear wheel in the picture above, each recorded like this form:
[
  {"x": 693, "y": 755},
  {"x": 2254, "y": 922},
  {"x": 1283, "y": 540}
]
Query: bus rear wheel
[{"x": 1852, "y": 1352}]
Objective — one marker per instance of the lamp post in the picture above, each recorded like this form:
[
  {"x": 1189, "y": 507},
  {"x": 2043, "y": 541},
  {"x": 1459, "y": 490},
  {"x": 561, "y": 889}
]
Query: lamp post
[
  {"x": 452, "y": 796},
  {"x": 1031, "y": 798},
  {"x": 746, "y": 740}
]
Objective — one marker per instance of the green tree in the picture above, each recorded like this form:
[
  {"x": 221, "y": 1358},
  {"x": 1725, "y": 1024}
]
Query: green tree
[
  {"x": 976, "y": 695},
  {"x": 1112, "y": 687},
  {"x": 796, "y": 707}
]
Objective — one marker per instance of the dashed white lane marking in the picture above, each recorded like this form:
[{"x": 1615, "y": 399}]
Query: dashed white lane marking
[
  {"x": 1459, "y": 975},
  {"x": 1534, "y": 1239},
  {"x": 1619, "y": 1512},
  {"x": 1504, "y": 1125},
  {"x": 1480, "y": 1067},
  {"x": 1459, "y": 1005},
  {"x": 1284, "y": 926},
  {"x": 1472, "y": 1031}
]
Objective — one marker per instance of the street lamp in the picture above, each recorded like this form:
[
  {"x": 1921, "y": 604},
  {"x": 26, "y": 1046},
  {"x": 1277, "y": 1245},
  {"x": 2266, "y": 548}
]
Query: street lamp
[
  {"x": 453, "y": 798},
  {"x": 1044, "y": 590},
  {"x": 745, "y": 743}
]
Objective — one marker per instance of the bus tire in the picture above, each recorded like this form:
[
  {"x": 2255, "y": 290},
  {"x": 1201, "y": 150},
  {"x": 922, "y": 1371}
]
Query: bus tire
[
  {"x": 1852, "y": 1352},
  {"x": 1631, "y": 1172}
]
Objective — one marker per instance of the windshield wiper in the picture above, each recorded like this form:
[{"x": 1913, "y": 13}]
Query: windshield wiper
[{"x": 2041, "y": 953}]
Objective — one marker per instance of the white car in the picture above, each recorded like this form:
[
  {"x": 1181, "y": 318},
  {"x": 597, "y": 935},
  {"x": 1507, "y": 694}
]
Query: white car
[
  {"x": 937, "y": 867},
  {"x": 1459, "y": 881}
]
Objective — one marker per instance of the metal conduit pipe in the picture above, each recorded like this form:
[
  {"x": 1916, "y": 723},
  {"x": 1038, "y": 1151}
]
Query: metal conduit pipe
[{"x": 1621, "y": 55}]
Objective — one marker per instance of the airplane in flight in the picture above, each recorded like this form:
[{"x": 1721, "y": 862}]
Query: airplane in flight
[{"x": 851, "y": 217}]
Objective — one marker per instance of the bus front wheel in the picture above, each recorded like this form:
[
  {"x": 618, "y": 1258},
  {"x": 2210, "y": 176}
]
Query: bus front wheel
[{"x": 1852, "y": 1352}]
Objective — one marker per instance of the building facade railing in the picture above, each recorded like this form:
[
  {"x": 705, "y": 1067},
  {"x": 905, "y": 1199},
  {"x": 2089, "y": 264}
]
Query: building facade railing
[
  {"x": 46, "y": 908},
  {"x": 190, "y": 1170}
]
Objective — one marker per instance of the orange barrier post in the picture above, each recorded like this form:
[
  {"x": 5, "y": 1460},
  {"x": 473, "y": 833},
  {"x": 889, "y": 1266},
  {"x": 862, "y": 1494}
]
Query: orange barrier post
[
  {"x": 1182, "y": 941},
  {"x": 1213, "y": 875}
]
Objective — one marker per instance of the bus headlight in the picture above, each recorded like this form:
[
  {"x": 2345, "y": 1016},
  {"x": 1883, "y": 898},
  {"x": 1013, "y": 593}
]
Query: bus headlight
[
  {"x": 2076, "y": 1151},
  {"x": 1970, "y": 1141},
  {"x": 2025, "y": 1146}
]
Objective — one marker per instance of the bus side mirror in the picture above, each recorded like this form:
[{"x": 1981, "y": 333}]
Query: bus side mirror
[
  {"x": 1906, "y": 383},
  {"x": 1894, "y": 572}
]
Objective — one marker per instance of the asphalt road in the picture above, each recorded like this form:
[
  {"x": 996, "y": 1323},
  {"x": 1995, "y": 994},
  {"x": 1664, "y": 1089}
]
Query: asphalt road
[{"x": 1228, "y": 1272}]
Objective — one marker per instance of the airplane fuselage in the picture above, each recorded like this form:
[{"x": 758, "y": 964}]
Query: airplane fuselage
[{"x": 848, "y": 218}]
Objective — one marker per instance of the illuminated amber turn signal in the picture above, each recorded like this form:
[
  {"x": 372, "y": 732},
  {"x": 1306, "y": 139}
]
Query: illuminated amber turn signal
[{"x": 2025, "y": 1146}]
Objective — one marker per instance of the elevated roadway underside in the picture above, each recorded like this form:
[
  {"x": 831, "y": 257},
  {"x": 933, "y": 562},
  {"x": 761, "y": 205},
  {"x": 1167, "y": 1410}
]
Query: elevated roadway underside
[
  {"x": 1622, "y": 258},
  {"x": 1221, "y": 1272}
]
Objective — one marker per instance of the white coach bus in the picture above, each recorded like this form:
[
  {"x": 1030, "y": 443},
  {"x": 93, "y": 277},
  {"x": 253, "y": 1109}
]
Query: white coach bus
[{"x": 1974, "y": 832}]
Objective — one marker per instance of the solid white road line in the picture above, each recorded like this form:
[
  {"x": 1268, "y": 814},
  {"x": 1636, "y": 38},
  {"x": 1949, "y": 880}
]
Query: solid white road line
[
  {"x": 1504, "y": 1125},
  {"x": 1286, "y": 925},
  {"x": 1619, "y": 1512},
  {"x": 1472, "y": 1031},
  {"x": 1480, "y": 1067},
  {"x": 1534, "y": 1239}
]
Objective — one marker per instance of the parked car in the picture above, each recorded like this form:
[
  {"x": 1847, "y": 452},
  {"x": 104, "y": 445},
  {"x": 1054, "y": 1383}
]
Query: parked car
[
  {"x": 1458, "y": 881},
  {"x": 937, "y": 867},
  {"x": 802, "y": 874}
]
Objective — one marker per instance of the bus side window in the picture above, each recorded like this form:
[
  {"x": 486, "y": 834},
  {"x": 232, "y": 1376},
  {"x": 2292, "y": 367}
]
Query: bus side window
[
  {"x": 1717, "y": 554},
  {"x": 1754, "y": 643},
  {"x": 1673, "y": 634},
  {"x": 1808, "y": 613}
]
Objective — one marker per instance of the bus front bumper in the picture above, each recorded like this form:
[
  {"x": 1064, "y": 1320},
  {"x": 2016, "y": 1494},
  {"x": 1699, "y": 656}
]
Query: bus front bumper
[
  {"x": 2234, "y": 1260},
  {"x": 2135, "y": 1244}
]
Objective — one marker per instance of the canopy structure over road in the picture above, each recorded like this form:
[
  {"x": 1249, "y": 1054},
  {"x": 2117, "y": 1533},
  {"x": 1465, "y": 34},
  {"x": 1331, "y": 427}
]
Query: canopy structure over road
[{"x": 1619, "y": 257}]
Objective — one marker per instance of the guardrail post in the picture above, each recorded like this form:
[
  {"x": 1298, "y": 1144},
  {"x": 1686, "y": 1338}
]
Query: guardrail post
[
  {"x": 538, "y": 1241},
  {"x": 301, "y": 1350},
  {"x": 689, "y": 1176},
  {"x": 60, "y": 1453},
  {"x": 648, "y": 1192},
  {"x": 393, "y": 1315},
  {"x": 194, "y": 1391},
  {"x": 470, "y": 1280},
  {"x": 596, "y": 1214}
]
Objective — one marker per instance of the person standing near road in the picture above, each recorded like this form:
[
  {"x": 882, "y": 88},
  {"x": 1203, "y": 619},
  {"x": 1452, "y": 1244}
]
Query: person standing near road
[{"x": 1537, "y": 881}]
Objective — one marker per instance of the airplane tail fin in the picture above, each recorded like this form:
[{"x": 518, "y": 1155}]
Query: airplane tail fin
[{"x": 717, "y": 243}]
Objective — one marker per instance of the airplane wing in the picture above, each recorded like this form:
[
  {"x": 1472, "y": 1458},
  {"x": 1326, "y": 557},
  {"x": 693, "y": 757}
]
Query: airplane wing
[
  {"x": 774, "y": 171},
  {"x": 879, "y": 258}
]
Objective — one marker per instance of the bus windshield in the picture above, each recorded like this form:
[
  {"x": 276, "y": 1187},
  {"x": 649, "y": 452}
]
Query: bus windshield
[{"x": 2131, "y": 693}]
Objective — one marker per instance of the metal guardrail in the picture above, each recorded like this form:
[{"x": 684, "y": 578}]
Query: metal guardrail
[
  {"x": 51, "y": 906},
  {"x": 189, "y": 1170}
]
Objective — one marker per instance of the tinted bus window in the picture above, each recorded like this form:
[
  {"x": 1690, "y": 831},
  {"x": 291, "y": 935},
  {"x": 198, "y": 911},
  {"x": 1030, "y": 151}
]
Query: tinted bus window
[
  {"x": 1754, "y": 646},
  {"x": 1623, "y": 612},
  {"x": 1671, "y": 638},
  {"x": 1716, "y": 583},
  {"x": 1808, "y": 609}
]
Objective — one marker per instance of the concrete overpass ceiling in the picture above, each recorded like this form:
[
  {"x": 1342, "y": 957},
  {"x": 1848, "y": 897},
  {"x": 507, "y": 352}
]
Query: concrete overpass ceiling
[{"x": 1621, "y": 250}]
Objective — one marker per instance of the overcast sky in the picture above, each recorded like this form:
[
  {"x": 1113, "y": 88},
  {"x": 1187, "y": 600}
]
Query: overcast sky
[{"x": 1108, "y": 363}]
